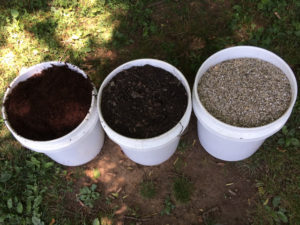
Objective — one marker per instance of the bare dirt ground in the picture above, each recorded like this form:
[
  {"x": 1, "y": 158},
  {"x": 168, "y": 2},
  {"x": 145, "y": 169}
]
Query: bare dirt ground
[{"x": 221, "y": 193}]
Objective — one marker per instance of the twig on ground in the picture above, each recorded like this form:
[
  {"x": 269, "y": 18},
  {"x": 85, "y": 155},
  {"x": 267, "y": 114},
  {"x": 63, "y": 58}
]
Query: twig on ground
[{"x": 136, "y": 219}]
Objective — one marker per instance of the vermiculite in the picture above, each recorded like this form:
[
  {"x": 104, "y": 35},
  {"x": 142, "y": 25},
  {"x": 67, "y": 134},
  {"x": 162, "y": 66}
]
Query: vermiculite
[{"x": 245, "y": 92}]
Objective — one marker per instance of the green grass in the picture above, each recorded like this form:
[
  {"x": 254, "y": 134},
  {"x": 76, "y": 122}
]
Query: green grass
[
  {"x": 277, "y": 172},
  {"x": 182, "y": 189},
  {"x": 147, "y": 189},
  {"x": 179, "y": 32}
]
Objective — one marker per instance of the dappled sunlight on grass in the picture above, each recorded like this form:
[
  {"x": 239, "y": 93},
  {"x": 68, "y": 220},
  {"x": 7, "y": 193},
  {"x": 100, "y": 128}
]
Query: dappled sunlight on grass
[
  {"x": 20, "y": 49},
  {"x": 8, "y": 59},
  {"x": 36, "y": 32},
  {"x": 54, "y": 30},
  {"x": 52, "y": 33},
  {"x": 97, "y": 29}
]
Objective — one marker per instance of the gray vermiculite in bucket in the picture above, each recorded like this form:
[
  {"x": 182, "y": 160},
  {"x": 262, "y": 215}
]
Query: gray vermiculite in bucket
[{"x": 245, "y": 92}]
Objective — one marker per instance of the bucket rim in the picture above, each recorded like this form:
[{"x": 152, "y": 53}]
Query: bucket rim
[
  {"x": 235, "y": 132},
  {"x": 67, "y": 138},
  {"x": 147, "y": 143}
]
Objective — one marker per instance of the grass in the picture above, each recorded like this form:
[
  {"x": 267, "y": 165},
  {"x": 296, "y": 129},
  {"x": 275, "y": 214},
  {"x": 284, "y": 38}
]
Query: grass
[
  {"x": 168, "y": 207},
  {"x": 26, "y": 181},
  {"x": 277, "y": 175},
  {"x": 98, "y": 35},
  {"x": 182, "y": 189},
  {"x": 147, "y": 189}
]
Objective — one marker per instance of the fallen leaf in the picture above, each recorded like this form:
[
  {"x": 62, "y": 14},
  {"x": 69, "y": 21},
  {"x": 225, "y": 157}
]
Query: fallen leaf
[
  {"x": 266, "y": 202},
  {"x": 52, "y": 221},
  {"x": 115, "y": 194},
  {"x": 96, "y": 173},
  {"x": 277, "y": 15},
  {"x": 194, "y": 142},
  {"x": 175, "y": 161},
  {"x": 281, "y": 150},
  {"x": 232, "y": 192}
]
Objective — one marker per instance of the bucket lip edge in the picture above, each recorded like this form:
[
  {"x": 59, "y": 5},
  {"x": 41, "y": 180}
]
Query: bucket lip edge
[
  {"x": 133, "y": 142},
  {"x": 232, "y": 128},
  {"x": 66, "y": 136}
]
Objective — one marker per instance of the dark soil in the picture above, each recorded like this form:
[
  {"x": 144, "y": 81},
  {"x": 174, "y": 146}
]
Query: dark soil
[
  {"x": 49, "y": 104},
  {"x": 143, "y": 102}
]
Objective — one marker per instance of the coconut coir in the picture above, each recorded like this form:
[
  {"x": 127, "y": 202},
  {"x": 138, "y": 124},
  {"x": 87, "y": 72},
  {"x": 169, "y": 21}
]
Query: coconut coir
[
  {"x": 49, "y": 104},
  {"x": 143, "y": 102}
]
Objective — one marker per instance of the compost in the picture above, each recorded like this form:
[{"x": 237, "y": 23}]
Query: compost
[
  {"x": 49, "y": 104},
  {"x": 143, "y": 102},
  {"x": 245, "y": 92}
]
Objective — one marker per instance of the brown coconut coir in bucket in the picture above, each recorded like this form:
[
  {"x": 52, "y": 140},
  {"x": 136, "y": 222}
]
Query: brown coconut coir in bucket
[{"x": 49, "y": 104}]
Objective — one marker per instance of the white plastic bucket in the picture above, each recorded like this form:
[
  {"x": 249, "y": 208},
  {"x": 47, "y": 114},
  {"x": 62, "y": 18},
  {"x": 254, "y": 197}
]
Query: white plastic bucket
[
  {"x": 75, "y": 148},
  {"x": 233, "y": 143},
  {"x": 149, "y": 151}
]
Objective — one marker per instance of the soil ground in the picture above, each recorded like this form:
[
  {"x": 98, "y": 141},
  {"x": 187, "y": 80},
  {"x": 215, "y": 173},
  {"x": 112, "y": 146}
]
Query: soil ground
[{"x": 221, "y": 192}]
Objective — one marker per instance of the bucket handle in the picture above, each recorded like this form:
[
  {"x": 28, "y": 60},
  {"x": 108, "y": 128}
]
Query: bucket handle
[{"x": 182, "y": 130}]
